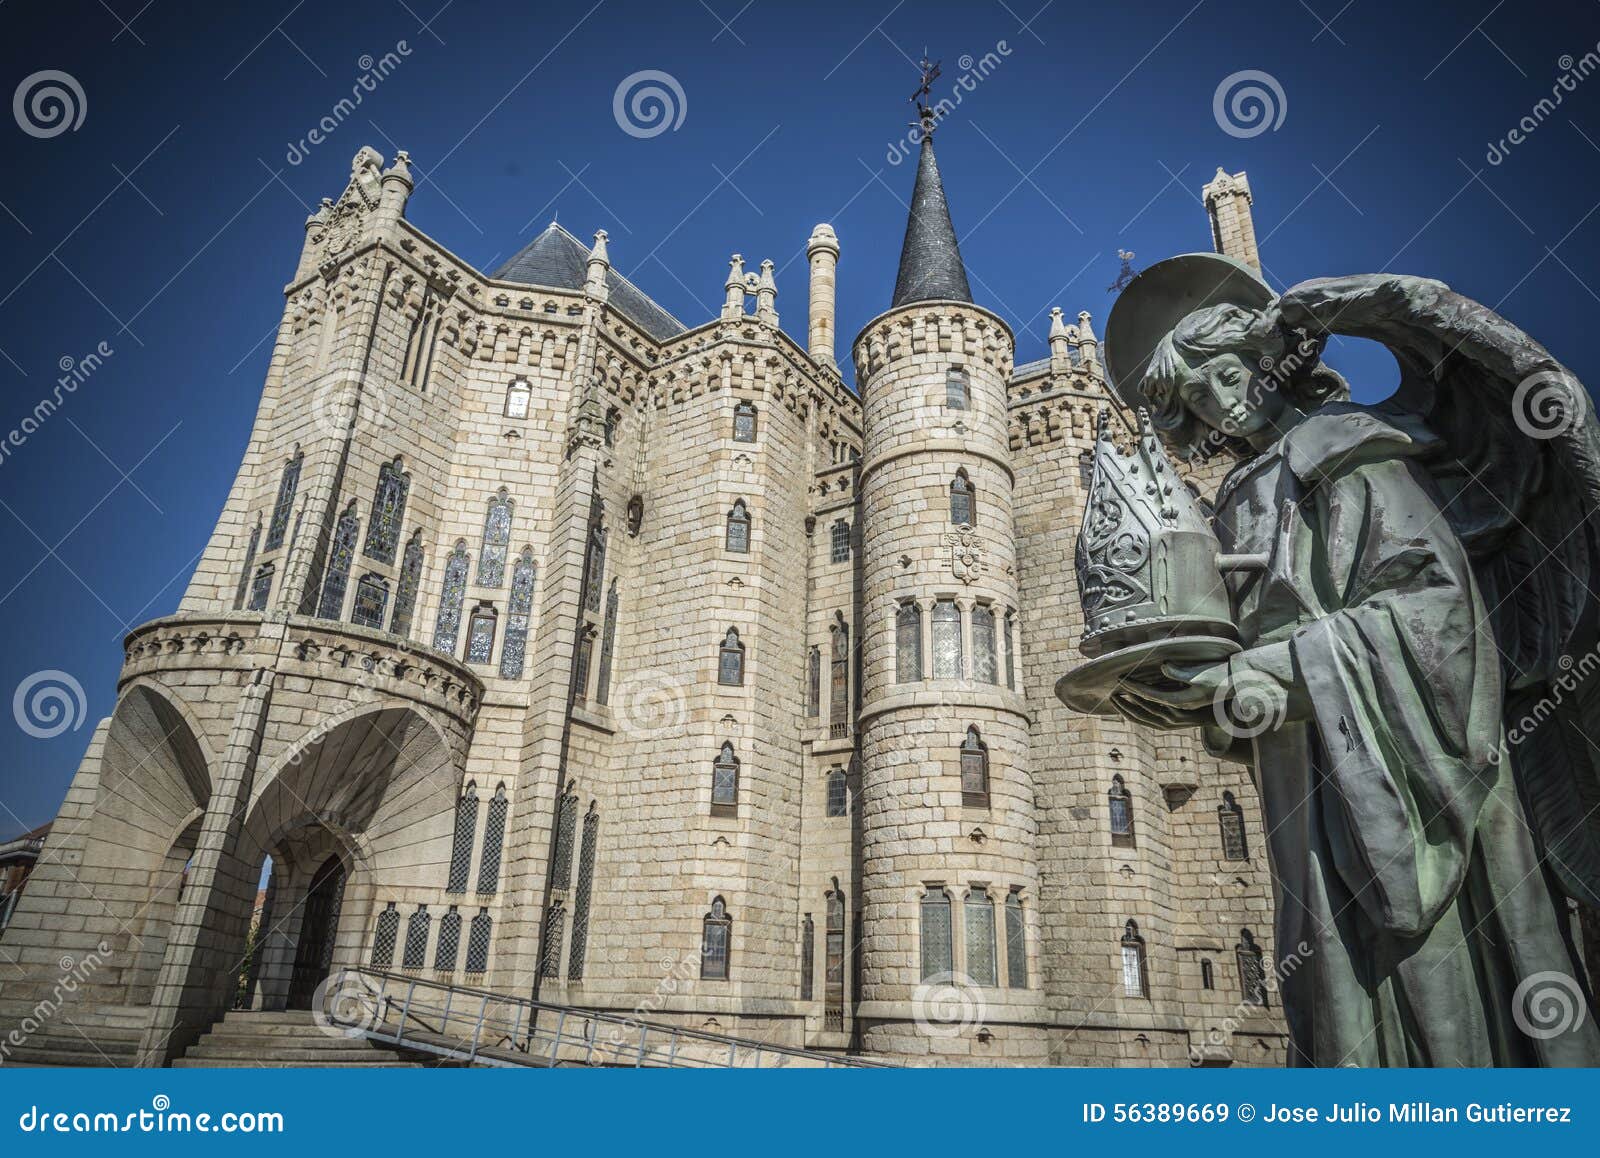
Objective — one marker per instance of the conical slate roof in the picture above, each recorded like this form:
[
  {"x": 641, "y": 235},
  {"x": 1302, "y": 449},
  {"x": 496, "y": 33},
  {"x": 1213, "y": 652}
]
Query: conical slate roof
[
  {"x": 560, "y": 261},
  {"x": 930, "y": 260}
]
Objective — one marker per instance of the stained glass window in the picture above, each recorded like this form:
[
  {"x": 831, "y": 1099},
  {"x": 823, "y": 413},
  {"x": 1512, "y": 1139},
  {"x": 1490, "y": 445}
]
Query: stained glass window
[
  {"x": 602, "y": 690},
  {"x": 1011, "y": 651},
  {"x": 555, "y": 929},
  {"x": 1016, "y": 943},
  {"x": 980, "y": 937},
  {"x": 372, "y": 600},
  {"x": 833, "y": 962},
  {"x": 839, "y": 682},
  {"x": 744, "y": 422},
  {"x": 280, "y": 510},
  {"x": 839, "y": 542},
  {"x": 340, "y": 555},
  {"x": 496, "y": 538},
  {"x": 937, "y": 950},
  {"x": 1252, "y": 969},
  {"x": 244, "y": 572},
  {"x": 908, "y": 643},
  {"x": 725, "y": 780},
  {"x": 814, "y": 682},
  {"x": 581, "y": 665},
  {"x": 1120, "y": 801},
  {"x": 388, "y": 512},
  {"x": 580, "y": 912},
  {"x": 261, "y": 587},
  {"x": 957, "y": 390},
  {"x": 519, "y": 614},
  {"x": 448, "y": 951},
  {"x": 730, "y": 660},
  {"x": 478, "y": 942},
  {"x": 566, "y": 837},
  {"x": 480, "y": 634},
  {"x": 594, "y": 580},
  {"x": 405, "y": 596},
  {"x": 974, "y": 770},
  {"x": 838, "y": 793},
  {"x": 384, "y": 937},
  {"x": 494, "y": 836},
  {"x": 808, "y": 948},
  {"x": 737, "y": 537},
  {"x": 1231, "y": 819},
  {"x": 448, "y": 626},
  {"x": 461, "y": 847},
  {"x": 962, "y": 501},
  {"x": 715, "y": 942},
  {"x": 1134, "y": 981},
  {"x": 416, "y": 939},
  {"x": 946, "y": 640},
  {"x": 517, "y": 395},
  {"x": 984, "y": 668}
]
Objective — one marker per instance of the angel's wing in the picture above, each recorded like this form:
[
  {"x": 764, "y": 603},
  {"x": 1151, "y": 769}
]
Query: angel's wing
[{"x": 1521, "y": 483}]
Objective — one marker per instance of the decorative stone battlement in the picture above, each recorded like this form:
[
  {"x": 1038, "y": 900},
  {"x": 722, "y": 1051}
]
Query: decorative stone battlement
[{"x": 934, "y": 327}]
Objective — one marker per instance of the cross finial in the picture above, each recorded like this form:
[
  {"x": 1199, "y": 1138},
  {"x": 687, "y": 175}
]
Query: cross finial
[{"x": 930, "y": 73}]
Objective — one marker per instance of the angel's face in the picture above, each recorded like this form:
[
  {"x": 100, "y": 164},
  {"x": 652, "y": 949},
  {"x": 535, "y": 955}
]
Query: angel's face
[{"x": 1227, "y": 396}]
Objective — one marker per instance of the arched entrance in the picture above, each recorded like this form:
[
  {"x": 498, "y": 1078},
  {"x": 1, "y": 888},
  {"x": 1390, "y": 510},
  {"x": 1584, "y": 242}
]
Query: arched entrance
[{"x": 319, "y": 926}]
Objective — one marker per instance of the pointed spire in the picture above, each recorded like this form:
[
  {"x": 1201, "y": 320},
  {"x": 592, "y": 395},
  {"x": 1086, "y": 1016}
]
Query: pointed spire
[{"x": 930, "y": 260}]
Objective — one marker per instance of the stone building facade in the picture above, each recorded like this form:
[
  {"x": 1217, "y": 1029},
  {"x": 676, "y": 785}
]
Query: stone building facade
[{"x": 549, "y": 646}]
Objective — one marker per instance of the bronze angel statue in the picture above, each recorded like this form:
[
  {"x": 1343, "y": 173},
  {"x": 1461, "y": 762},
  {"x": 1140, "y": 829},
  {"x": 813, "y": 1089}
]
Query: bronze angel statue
[{"x": 1412, "y": 585}]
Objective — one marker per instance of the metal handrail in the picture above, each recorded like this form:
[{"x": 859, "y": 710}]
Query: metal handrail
[{"x": 413, "y": 1016}]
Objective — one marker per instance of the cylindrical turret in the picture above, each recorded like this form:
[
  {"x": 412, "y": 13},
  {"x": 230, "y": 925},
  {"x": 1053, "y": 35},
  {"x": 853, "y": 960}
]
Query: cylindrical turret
[{"x": 822, "y": 251}]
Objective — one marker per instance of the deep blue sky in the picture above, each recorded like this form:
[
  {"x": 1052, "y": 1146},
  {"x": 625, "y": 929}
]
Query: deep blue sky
[{"x": 167, "y": 223}]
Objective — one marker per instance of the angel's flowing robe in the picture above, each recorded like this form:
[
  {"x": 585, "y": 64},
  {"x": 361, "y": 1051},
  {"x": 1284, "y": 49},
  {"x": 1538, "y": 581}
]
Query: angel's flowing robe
[{"x": 1411, "y": 903}]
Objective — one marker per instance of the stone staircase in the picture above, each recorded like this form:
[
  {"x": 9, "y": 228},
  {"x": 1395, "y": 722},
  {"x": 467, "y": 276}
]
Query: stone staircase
[
  {"x": 252, "y": 1039},
  {"x": 105, "y": 1035}
]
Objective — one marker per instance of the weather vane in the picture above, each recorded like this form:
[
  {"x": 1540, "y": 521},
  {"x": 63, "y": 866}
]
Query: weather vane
[
  {"x": 930, "y": 73},
  {"x": 1128, "y": 272}
]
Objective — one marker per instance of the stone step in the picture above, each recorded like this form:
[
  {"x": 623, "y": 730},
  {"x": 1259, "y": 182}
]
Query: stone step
[
  {"x": 185, "y": 1063},
  {"x": 228, "y": 1051},
  {"x": 271, "y": 1041}
]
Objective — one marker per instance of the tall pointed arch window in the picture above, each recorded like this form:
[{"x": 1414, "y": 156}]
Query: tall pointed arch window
[
  {"x": 261, "y": 587},
  {"x": 908, "y": 643},
  {"x": 496, "y": 541},
  {"x": 937, "y": 950},
  {"x": 838, "y": 793},
  {"x": 744, "y": 422},
  {"x": 340, "y": 554},
  {"x": 1016, "y": 943},
  {"x": 839, "y": 680},
  {"x": 580, "y": 912},
  {"x": 519, "y": 613},
  {"x": 384, "y": 937},
  {"x": 478, "y": 939},
  {"x": 494, "y": 838},
  {"x": 1011, "y": 650},
  {"x": 608, "y": 647},
  {"x": 417, "y": 927},
  {"x": 947, "y": 656},
  {"x": 405, "y": 594},
  {"x": 985, "y": 669},
  {"x": 249, "y": 565},
  {"x": 716, "y": 942},
  {"x": 978, "y": 912},
  {"x": 725, "y": 782},
  {"x": 808, "y": 946},
  {"x": 839, "y": 542},
  {"x": 1120, "y": 803},
  {"x": 833, "y": 975},
  {"x": 388, "y": 512},
  {"x": 595, "y": 572},
  {"x": 447, "y": 628},
  {"x": 730, "y": 660},
  {"x": 737, "y": 536},
  {"x": 555, "y": 929},
  {"x": 583, "y": 663},
  {"x": 814, "y": 682},
  {"x": 1230, "y": 819},
  {"x": 1208, "y": 974},
  {"x": 963, "y": 501},
  {"x": 974, "y": 770},
  {"x": 566, "y": 840},
  {"x": 1135, "y": 976},
  {"x": 288, "y": 482},
  {"x": 1252, "y": 969},
  {"x": 448, "y": 951},
  {"x": 957, "y": 389},
  {"x": 461, "y": 845}
]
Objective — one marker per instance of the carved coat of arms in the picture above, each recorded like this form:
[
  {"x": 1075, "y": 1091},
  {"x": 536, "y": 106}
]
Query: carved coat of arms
[{"x": 966, "y": 554}]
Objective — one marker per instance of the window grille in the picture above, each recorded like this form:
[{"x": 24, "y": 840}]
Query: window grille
[
  {"x": 555, "y": 928},
  {"x": 461, "y": 847},
  {"x": 980, "y": 938},
  {"x": 580, "y": 912},
  {"x": 838, "y": 793},
  {"x": 974, "y": 770},
  {"x": 963, "y": 501},
  {"x": 730, "y": 660},
  {"x": 1120, "y": 802},
  {"x": 908, "y": 643},
  {"x": 384, "y": 938},
  {"x": 725, "y": 781},
  {"x": 833, "y": 977},
  {"x": 1016, "y": 943},
  {"x": 494, "y": 835},
  {"x": 478, "y": 942},
  {"x": 937, "y": 952},
  {"x": 808, "y": 945},
  {"x": 417, "y": 938},
  {"x": 984, "y": 668},
  {"x": 1252, "y": 969},
  {"x": 1135, "y": 983},
  {"x": 1230, "y": 818},
  {"x": 448, "y": 951},
  {"x": 839, "y": 542},
  {"x": 947, "y": 656},
  {"x": 566, "y": 836},
  {"x": 737, "y": 537},
  {"x": 716, "y": 942}
]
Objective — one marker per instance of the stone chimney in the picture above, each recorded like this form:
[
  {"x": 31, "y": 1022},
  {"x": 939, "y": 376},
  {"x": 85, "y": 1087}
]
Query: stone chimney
[{"x": 822, "y": 251}]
